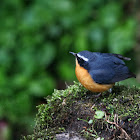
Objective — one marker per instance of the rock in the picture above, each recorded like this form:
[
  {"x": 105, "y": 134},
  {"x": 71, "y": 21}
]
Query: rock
[{"x": 69, "y": 136}]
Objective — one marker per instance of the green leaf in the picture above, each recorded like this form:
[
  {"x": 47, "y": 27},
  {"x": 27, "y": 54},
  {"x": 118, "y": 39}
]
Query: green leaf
[
  {"x": 90, "y": 121},
  {"x": 99, "y": 114}
]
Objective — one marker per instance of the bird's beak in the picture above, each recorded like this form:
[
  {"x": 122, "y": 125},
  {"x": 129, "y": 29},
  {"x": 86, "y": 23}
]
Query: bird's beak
[{"x": 73, "y": 53}]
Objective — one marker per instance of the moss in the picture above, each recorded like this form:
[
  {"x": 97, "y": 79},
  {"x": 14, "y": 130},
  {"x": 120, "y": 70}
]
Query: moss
[{"x": 73, "y": 109}]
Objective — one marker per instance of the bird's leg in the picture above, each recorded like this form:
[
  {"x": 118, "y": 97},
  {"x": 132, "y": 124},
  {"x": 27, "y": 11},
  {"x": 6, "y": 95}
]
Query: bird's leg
[
  {"x": 92, "y": 95},
  {"x": 98, "y": 95}
]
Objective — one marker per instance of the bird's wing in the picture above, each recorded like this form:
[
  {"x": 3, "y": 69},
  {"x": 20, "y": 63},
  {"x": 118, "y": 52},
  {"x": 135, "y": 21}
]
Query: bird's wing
[
  {"x": 109, "y": 70},
  {"x": 102, "y": 76}
]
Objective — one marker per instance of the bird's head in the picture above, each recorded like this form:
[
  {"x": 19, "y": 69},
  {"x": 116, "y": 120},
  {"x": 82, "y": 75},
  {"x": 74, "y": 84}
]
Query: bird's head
[{"x": 82, "y": 58}]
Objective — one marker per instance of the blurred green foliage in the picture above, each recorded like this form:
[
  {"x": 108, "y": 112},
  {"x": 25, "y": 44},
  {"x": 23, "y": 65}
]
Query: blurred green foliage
[{"x": 35, "y": 38}]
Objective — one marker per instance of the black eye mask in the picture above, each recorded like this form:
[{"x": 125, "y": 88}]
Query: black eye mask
[{"x": 82, "y": 62}]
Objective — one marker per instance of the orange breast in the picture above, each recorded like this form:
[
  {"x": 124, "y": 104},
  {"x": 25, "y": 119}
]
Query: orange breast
[{"x": 85, "y": 79}]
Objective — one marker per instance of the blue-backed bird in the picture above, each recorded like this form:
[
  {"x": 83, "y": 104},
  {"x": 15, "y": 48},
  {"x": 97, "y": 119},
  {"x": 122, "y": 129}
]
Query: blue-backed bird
[{"x": 98, "y": 72}]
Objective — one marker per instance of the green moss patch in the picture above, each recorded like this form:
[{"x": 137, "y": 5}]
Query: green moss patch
[{"x": 112, "y": 115}]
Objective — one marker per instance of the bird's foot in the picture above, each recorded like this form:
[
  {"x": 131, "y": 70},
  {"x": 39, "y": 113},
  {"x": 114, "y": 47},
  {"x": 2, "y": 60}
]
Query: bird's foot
[
  {"x": 98, "y": 95},
  {"x": 92, "y": 95}
]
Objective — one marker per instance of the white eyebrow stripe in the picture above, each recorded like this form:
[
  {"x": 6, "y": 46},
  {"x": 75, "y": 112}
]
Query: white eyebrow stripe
[{"x": 84, "y": 58}]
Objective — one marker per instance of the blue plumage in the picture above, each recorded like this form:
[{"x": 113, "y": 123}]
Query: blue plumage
[{"x": 105, "y": 68}]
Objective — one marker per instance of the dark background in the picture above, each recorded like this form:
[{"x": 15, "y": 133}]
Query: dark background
[{"x": 35, "y": 39}]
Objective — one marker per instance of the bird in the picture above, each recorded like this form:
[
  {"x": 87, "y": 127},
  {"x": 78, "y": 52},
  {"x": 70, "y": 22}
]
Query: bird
[{"x": 98, "y": 72}]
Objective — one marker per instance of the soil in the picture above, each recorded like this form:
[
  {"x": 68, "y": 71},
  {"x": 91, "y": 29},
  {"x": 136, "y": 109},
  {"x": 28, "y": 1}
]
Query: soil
[{"x": 71, "y": 115}]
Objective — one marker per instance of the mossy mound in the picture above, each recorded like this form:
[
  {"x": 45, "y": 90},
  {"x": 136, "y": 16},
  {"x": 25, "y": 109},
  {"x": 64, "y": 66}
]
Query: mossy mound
[{"x": 74, "y": 110}]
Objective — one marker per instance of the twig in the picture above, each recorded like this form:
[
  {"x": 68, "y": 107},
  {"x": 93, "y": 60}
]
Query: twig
[{"x": 116, "y": 124}]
